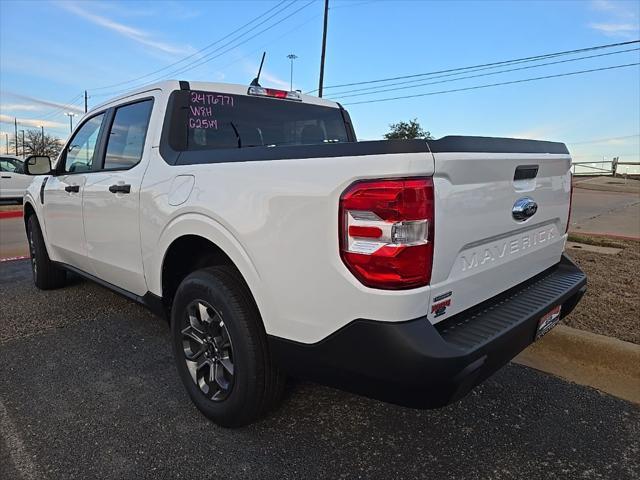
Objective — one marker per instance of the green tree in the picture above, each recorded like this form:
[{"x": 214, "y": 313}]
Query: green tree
[{"x": 407, "y": 130}]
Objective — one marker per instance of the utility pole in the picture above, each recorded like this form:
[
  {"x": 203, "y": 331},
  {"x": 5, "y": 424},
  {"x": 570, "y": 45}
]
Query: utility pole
[
  {"x": 85, "y": 101},
  {"x": 41, "y": 149},
  {"x": 70, "y": 115},
  {"x": 324, "y": 47},
  {"x": 22, "y": 142},
  {"x": 15, "y": 124},
  {"x": 6, "y": 139},
  {"x": 291, "y": 57}
]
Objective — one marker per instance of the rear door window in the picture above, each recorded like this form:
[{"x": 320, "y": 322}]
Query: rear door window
[
  {"x": 127, "y": 135},
  {"x": 211, "y": 120}
]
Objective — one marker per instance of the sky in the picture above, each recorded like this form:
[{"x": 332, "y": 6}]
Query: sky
[{"x": 51, "y": 51}]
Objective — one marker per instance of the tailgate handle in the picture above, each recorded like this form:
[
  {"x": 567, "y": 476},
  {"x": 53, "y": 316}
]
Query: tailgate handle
[{"x": 525, "y": 172}]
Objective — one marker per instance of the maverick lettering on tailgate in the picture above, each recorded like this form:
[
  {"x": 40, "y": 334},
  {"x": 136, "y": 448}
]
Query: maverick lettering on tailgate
[{"x": 490, "y": 253}]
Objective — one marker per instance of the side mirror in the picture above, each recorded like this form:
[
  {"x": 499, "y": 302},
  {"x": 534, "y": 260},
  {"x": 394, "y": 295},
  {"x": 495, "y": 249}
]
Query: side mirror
[{"x": 37, "y": 165}]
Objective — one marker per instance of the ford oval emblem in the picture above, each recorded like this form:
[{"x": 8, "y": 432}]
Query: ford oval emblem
[{"x": 523, "y": 209}]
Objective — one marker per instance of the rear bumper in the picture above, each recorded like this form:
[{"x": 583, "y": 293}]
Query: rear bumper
[{"x": 421, "y": 365}]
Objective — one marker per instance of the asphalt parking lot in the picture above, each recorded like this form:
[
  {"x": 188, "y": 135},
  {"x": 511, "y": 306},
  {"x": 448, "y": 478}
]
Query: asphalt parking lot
[{"x": 89, "y": 390}]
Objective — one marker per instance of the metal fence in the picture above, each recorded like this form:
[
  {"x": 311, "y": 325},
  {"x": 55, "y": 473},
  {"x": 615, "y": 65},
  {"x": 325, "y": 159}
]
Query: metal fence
[{"x": 604, "y": 167}]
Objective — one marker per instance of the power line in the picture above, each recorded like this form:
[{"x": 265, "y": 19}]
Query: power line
[
  {"x": 339, "y": 95},
  {"x": 206, "y": 60},
  {"x": 208, "y": 57},
  {"x": 265, "y": 46},
  {"x": 197, "y": 52},
  {"x": 388, "y": 99},
  {"x": 374, "y": 88},
  {"x": 503, "y": 62}
]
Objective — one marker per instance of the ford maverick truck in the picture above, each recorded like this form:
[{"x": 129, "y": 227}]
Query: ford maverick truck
[{"x": 277, "y": 244}]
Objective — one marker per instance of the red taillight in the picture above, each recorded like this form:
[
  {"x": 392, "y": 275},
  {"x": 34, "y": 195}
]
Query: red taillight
[
  {"x": 386, "y": 232},
  {"x": 570, "y": 201}
]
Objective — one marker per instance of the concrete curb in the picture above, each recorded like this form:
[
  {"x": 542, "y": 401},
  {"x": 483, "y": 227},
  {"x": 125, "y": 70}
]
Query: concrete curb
[
  {"x": 606, "y": 235},
  {"x": 605, "y": 363}
]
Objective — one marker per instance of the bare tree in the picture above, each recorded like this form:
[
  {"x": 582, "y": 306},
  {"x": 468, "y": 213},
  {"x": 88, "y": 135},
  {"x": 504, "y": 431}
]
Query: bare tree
[{"x": 36, "y": 144}]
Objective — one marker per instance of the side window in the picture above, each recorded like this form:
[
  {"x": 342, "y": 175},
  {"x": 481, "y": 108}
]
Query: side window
[
  {"x": 81, "y": 149},
  {"x": 127, "y": 135},
  {"x": 11, "y": 165},
  {"x": 6, "y": 165}
]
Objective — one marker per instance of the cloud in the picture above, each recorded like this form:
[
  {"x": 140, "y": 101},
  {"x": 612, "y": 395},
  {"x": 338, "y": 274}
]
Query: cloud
[
  {"x": 626, "y": 30},
  {"x": 135, "y": 34},
  {"x": 31, "y": 122},
  {"x": 620, "y": 9},
  {"x": 265, "y": 76},
  {"x": 43, "y": 102},
  {"x": 619, "y": 19},
  {"x": 19, "y": 107},
  {"x": 272, "y": 79},
  {"x": 548, "y": 132}
]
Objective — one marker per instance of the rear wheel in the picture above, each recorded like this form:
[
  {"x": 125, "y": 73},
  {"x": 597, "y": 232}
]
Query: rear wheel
[
  {"x": 221, "y": 350},
  {"x": 46, "y": 274}
]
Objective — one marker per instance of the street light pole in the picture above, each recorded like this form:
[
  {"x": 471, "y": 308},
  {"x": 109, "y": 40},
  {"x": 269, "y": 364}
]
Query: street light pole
[
  {"x": 70, "y": 115},
  {"x": 15, "y": 124},
  {"x": 6, "y": 139},
  {"x": 291, "y": 57}
]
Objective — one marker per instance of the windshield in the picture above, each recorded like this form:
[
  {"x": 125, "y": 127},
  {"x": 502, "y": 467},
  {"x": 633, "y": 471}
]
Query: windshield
[{"x": 209, "y": 120}]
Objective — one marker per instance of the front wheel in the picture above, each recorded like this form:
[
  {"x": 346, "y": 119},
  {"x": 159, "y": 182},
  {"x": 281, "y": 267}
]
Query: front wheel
[
  {"x": 220, "y": 348},
  {"x": 46, "y": 274}
]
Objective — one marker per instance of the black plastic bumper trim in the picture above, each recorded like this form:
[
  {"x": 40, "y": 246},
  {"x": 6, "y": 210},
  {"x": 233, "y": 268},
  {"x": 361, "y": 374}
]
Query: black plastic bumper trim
[{"x": 417, "y": 364}]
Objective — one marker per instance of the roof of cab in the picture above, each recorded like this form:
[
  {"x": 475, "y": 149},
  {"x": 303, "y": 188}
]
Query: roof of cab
[{"x": 230, "y": 88}]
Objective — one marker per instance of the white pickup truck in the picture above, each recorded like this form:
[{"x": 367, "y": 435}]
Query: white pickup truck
[{"x": 276, "y": 244}]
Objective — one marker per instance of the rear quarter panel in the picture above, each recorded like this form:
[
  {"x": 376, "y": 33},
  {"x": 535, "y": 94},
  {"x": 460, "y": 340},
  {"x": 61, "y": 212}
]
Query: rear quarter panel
[{"x": 278, "y": 221}]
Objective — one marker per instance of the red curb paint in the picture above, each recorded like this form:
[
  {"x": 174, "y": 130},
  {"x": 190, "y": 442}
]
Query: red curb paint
[{"x": 11, "y": 214}]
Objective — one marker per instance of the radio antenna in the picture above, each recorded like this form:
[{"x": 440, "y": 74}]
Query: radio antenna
[{"x": 256, "y": 81}]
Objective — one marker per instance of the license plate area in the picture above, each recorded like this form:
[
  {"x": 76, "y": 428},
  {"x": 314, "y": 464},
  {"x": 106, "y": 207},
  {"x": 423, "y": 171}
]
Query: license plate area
[{"x": 548, "y": 321}]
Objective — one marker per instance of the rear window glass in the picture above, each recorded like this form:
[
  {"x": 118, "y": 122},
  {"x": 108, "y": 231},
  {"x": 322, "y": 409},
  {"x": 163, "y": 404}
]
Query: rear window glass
[{"x": 210, "y": 120}]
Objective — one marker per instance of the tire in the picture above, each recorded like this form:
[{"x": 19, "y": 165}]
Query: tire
[
  {"x": 46, "y": 275},
  {"x": 220, "y": 348}
]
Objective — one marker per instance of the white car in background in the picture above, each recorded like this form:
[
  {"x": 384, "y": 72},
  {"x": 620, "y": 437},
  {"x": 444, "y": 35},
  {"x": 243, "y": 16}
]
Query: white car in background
[{"x": 13, "y": 181}]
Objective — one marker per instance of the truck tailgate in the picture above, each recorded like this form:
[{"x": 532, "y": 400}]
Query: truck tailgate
[{"x": 489, "y": 235}]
